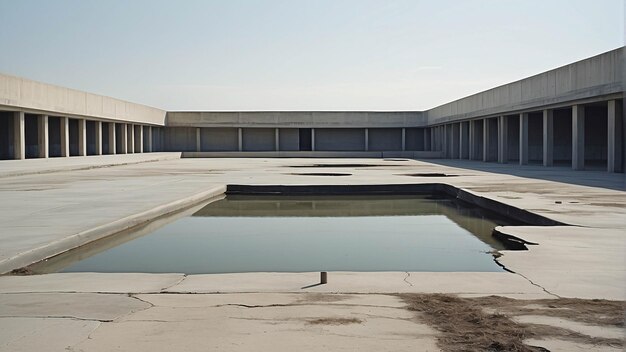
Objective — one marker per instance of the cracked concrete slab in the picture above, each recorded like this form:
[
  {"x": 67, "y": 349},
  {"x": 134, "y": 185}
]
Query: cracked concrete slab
[
  {"x": 262, "y": 299},
  {"x": 584, "y": 262},
  {"x": 43, "y": 334},
  {"x": 89, "y": 282},
  {"x": 361, "y": 282},
  {"x": 292, "y": 325},
  {"x": 84, "y": 306},
  {"x": 598, "y": 254}
]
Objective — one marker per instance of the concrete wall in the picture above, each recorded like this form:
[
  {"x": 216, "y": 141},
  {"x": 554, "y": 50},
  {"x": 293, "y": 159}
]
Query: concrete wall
[
  {"x": 23, "y": 94},
  {"x": 258, "y": 139},
  {"x": 295, "y": 119},
  {"x": 595, "y": 77},
  {"x": 289, "y": 139},
  {"x": 219, "y": 139},
  {"x": 180, "y": 139},
  {"x": 339, "y": 139},
  {"x": 414, "y": 139},
  {"x": 383, "y": 139}
]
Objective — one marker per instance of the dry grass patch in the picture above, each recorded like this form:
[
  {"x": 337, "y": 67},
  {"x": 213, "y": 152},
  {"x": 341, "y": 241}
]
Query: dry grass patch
[{"x": 483, "y": 324}]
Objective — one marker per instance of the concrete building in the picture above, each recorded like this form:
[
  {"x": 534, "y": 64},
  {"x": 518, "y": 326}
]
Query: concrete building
[{"x": 572, "y": 115}]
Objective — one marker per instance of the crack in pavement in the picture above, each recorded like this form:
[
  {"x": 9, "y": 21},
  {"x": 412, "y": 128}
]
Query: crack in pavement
[
  {"x": 527, "y": 279},
  {"x": 406, "y": 277},
  {"x": 164, "y": 289},
  {"x": 295, "y": 305},
  {"x": 541, "y": 287},
  {"x": 152, "y": 305}
]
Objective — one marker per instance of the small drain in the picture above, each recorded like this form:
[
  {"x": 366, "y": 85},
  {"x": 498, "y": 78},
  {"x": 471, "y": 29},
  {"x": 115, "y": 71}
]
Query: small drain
[{"x": 322, "y": 174}]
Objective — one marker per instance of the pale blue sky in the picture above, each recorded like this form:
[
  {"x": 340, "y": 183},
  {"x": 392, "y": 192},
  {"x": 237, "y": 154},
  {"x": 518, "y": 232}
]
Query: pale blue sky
[{"x": 299, "y": 54}]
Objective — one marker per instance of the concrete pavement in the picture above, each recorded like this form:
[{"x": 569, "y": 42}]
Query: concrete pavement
[{"x": 42, "y": 212}]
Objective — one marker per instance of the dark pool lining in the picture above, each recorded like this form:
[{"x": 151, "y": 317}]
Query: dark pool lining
[{"x": 508, "y": 211}]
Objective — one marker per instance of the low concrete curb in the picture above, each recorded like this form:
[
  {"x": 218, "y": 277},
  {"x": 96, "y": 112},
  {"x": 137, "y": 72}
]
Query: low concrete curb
[
  {"x": 37, "y": 254},
  {"x": 41, "y": 168}
]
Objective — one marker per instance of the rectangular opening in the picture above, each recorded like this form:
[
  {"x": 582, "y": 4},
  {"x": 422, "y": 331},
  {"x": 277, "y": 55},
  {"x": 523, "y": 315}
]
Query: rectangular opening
[
  {"x": 91, "y": 137},
  {"x": 305, "y": 139},
  {"x": 106, "y": 147},
  {"x": 54, "y": 136},
  {"x": 73, "y": 127},
  {"x": 301, "y": 233},
  {"x": 6, "y": 135},
  {"x": 31, "y": 136}
]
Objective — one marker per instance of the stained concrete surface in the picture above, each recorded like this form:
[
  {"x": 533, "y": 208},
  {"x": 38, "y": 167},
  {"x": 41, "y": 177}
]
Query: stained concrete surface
[
  {"x": 556, "y": 345},
  {"x": 39, "y": 208}
]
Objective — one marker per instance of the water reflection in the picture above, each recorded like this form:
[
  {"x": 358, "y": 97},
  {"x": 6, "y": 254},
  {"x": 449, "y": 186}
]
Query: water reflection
[{"x": 304, "y": 233}]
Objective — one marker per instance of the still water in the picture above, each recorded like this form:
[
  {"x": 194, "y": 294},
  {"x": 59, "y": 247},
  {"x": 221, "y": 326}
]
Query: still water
[{"x": 302, "y": 233}]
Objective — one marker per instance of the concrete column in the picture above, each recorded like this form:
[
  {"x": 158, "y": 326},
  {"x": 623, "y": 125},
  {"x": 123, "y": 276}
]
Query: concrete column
[
  {"x": 198, "y": 139},
  {"x": 98, "y": 125},
  {"x": 240, "y": 139},
  {"x": 139, "y": 149},
  {"x": 42, "y": 138},
  {"x": 130, "y": 135},
  {"x": 277, "y": 139},
  {"x": 112, "y": 138},
  {"x": 312, "y": 139},
  {"x": 149, "y": 136},
  {"x": 162, "y": 139},
  {"x": 65, "y": 136},
  {"x": 444, "y": 141},
  {"x": 82, "y": 137},
  {"x": 463, "y": 142},
  {"x": 615, "y": 137},
  {"x": 486, "y": 140},
  {"x": 403, "y": 139},
  {"x": 523, "y": 138},
  {"x": 124, "y": 138},
  {"x": 472, "y": 140},
  {"x": 548, "y": 137},
  {"x": 578, "y": 137},
  {"x": 19, "y": 136},
  {"x": 367, "y": 140},
  {"x": 503, "y": 142},
  {"x": 426, "y": 137}
]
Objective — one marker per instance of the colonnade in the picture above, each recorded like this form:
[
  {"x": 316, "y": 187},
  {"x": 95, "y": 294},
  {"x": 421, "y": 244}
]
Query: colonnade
[
  {"x": 583, "y": 136},
  {"x": 24, "y": 135}
]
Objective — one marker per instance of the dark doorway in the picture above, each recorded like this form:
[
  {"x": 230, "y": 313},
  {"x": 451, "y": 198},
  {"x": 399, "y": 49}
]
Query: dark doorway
[
  {"x": 6, "y": 135},
  {"x": 106, "y": 147},
  {"x": 91, "y": 137},
  {"x": 535, "y": 137},
  {"x": 54, "y": 136},
  {"x": 596, "y": 132},
  {"x": 305, "y": 139},
  {"x": 562, "y": 137},
  {"x": 31, "y": 136},
  {"x": 73, "y": 127}
]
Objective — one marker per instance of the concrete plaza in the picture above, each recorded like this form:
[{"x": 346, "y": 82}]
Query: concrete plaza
[{"x": 50, "y": 205}]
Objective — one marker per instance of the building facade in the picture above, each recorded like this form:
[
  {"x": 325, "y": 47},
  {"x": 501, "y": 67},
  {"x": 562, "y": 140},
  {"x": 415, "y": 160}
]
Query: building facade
[{"x": 572, "y": 115}]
